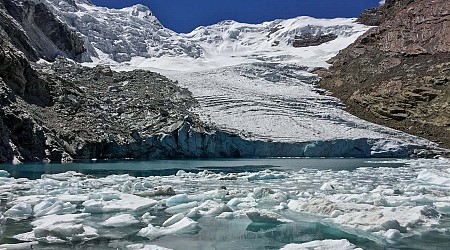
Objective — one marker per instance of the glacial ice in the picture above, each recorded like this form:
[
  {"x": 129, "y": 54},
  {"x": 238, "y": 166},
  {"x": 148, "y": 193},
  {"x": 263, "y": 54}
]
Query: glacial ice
[
  {"x": 244, "y": 84},
  {"x": 264, "y": 216},
  {"x": 184, "y": 225},
  {"x": 53, "y": 206},
  {"x": 20, "y": 211},
  {"x": 387, "y": 203},
  {"x": 117, "y": 202},
  {"x": 18, "y": 246},
  {"x": 59, "y": 229},
  {"x": 322, "y": 245},
  {"x": 145, "y": 247},
  {"x": 120, "y": 220},
  {"x": 172, "y": 220},
  {"x": 4, "y": 173}
]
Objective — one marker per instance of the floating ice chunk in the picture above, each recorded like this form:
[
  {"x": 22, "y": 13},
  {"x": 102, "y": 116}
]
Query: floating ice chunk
[
  {"x": 317, "y": 206},
  {"x": 4, "y": 173},
  {"x": 327, "y": 187},
  {"x": 54, "y": 219},
  {"x": 392, "y": 234},
  {"x": 53, "y": 206},
  {"x": 147, "y": 217},
  {"x": 105, "y": 196},
  {"x": 181, "y": 207},
  {"x": 177, "y": 199},
  {"x": 378, "y": 218},
  {"x": 266, "y": 175},
  {"x": 210, "y": 207},
  {"x": 259, "y": 192},
  {"x": 183, "y": 226},
  {"x": 145, "y": 247},
  {"x": 209, "y": 195},
  {"x": 234, "y": 202},
  {"x": 62, "y": 176},
  {"x": 443, "y": 207},
  {"x": 126, "y": 203},
  {"x": 264, "y": 216},
  {"x": 336, "y": 213},
  {"x": 19, "y": 211},
  {"x": 172, "y": 220},
  {"x": 73, "y": 198},
  {"x": 120, "y": 220},
  {"x": 160, "y": 191},
  {"x": 434, "y": 177},
  {"x": 322, "y": 245},
  {"x": 281, "y": 206},
  {"x": 57, "y": 228},
  {"x": 19, "y": 246},
  {"x": 226, "y": 215},
  {"x": 194, "y": 212},
  {"x": 368, "y": 217}
]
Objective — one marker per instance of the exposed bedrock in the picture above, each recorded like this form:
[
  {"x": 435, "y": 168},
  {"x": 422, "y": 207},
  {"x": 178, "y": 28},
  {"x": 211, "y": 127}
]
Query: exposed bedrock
[{"x": 398, "y": 74}]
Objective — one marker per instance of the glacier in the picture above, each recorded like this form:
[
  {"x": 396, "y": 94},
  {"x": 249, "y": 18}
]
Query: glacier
[{"x": 249, "y": 79}]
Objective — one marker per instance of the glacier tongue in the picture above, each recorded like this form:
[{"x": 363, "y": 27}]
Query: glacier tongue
[{"x": 253, "y": 80}]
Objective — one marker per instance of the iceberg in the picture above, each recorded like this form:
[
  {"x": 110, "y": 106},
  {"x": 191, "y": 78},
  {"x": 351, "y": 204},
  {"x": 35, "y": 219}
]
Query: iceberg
[
  {"x": 120, "y": 220},
  {"x": 118, "y": 202},
  {"x": 19, "y": 211},
  {"x": 322, "y": 245},
  {"x": 53, "y": 206},
  {"x": 183, "y": 226}
]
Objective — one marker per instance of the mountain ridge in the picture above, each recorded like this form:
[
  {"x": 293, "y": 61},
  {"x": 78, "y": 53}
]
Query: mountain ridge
[{"x": 221, "y": 91}]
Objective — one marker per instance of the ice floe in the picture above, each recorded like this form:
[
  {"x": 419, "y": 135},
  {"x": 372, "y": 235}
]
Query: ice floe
[
  {"x": 385, "y": 204},
  {"x": 322, "y": 245},
  {"x": 120, "y": 220},
  {"x": 184, "y": 225}
]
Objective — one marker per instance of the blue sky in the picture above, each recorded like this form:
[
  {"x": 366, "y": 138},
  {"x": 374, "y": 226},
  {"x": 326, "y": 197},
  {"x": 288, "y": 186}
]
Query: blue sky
[{"x": 185, "y": 15}]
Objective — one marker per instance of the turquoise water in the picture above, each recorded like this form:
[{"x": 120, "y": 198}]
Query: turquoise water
[
  {"x": 170, "y": 167},
  {"x": 238, "y": 233}
]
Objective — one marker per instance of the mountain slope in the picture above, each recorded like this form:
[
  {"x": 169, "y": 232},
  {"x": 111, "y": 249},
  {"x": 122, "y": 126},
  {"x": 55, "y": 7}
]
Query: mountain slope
[
  {"x": 238, "y": 90},
  {"x": 399, "y": 71}
]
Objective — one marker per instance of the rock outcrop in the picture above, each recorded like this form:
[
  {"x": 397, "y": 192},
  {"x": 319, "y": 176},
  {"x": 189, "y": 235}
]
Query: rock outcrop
[
  {"x": 398, "y": 74},
  {"x": 32, "y": 28}
]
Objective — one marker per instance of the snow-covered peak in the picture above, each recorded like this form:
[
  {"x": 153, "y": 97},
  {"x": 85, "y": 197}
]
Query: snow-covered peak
[
  {"x": 135, "y": 35},
  {"x": 140, "y": 11},
  {"x": 230, "y": 37}
]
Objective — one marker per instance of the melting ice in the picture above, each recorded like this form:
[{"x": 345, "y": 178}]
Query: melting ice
[{"x": 368, "y": 207}]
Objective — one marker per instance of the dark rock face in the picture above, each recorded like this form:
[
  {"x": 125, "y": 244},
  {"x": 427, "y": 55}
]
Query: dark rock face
[
  {"x": 398, "y": 74},
  {"x": 312, "y": 40},
  {"x": 34, "y": 30},
  {"x": 376, "y": 16}
]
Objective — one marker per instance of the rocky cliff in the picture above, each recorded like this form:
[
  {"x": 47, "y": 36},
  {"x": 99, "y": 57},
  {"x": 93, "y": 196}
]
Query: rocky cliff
[{"x": 398, "y": 74}]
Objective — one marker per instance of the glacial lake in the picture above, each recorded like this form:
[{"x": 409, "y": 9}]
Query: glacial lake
[{"x": 228, "y": 204}]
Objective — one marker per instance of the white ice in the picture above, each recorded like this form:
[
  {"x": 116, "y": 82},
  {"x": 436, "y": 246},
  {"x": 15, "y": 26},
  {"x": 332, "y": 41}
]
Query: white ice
[
  {"x": 60, "y": 228},
  {"x": 53, "y": 206},
  {"x": 19, "y": 212},
  {"x": 19, "y": 246},
  {"x": 117, "y": 202},
  {"x": 322, "y": 245},
  {"x": 120, "y": 220},
  {"x": 145, "y": 247},
  {"x": 386, "y": 202},
  {"x": 184, "y": 225}
]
